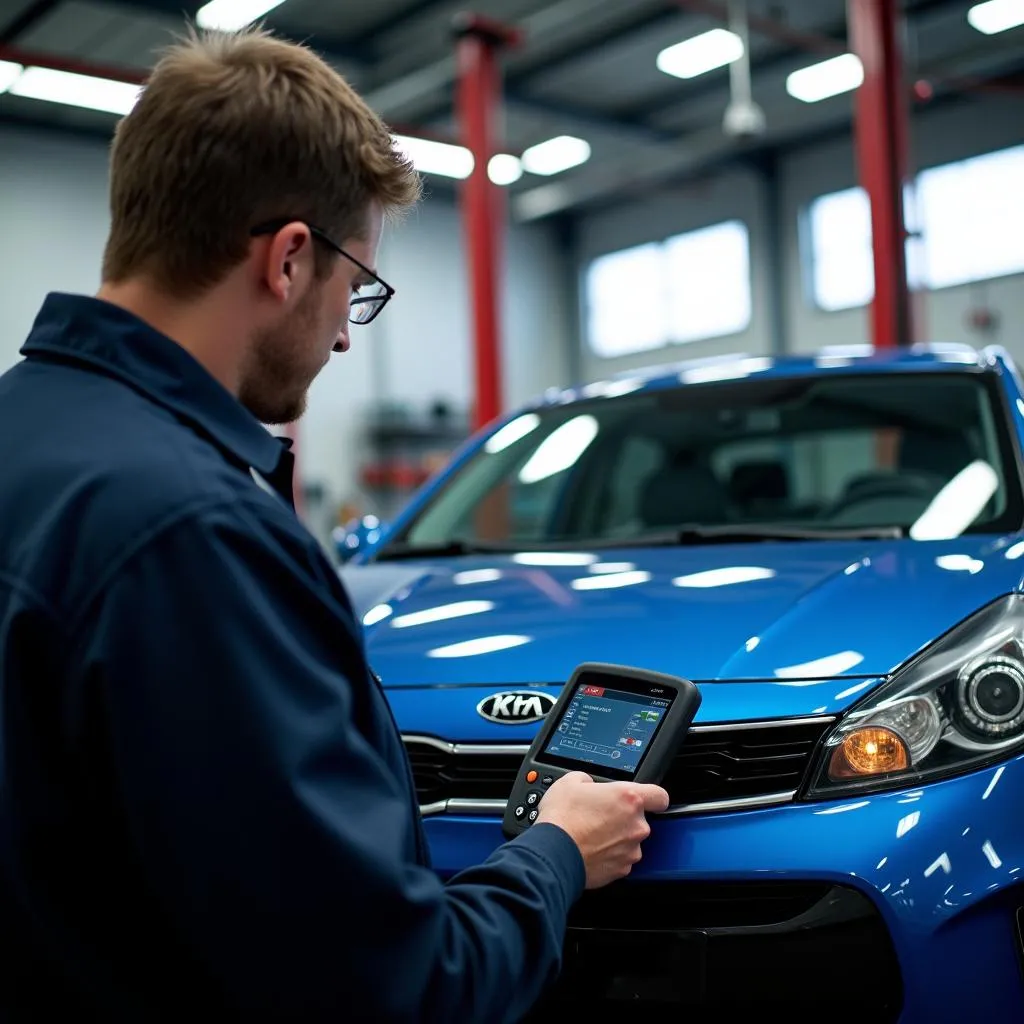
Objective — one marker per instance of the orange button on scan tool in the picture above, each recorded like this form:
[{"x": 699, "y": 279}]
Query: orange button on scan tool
[{"x": 531, "y": 776}]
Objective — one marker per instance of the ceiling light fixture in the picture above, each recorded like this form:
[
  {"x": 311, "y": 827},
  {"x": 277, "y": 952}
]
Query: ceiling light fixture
[
  {"x": 996, "y": 16},
  {"x": 703, "y": 53},
  {"x": 230, "y": 15},
  {"x": 76, "y": 90},
  {"x": 504, "y": 169},
  {"x": 441, "y": 158},
  {"x": 827, "y": 78},
  {"x": 9, "y": 73},
  {"x": 556, "y": 155}
]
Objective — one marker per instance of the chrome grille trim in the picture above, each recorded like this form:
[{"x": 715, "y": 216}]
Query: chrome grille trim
[
  {"x": 458, "y": 805},
  {"x": 520, "y": 749}
]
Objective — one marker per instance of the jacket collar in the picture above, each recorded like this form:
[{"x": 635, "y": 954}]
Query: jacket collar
[{"x": 108, "y": 339}]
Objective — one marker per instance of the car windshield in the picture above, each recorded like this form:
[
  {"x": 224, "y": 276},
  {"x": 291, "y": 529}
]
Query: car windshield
[{"x": 926, "y": 455}]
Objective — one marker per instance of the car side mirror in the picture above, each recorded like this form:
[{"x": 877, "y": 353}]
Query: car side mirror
[{"x": 357, "y": 536}]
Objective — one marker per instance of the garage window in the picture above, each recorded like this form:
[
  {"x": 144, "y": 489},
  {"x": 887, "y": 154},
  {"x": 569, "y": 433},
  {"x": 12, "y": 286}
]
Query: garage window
[
  {"x": 686, "y": 288},
  {"x": 973, "y": 218},
  {"x": 842, "y": 268},
  {"x": 962, "y": 230}
]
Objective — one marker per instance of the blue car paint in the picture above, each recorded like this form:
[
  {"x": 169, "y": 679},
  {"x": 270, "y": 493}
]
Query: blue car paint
[{"x": 937, "y": 860}]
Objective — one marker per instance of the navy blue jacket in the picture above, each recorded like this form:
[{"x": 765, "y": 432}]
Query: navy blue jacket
[{"x": 204, "y": 802}]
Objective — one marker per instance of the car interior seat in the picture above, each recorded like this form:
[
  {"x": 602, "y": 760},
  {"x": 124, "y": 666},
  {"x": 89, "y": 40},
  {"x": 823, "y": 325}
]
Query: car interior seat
[{"x": 684, "y": 491}]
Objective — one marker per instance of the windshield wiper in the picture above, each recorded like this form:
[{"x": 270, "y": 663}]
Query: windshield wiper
[
  {"x": 444, "y": 549},
  {"x": 692, "y": 533},
  {"x": 696, "y": 534}
]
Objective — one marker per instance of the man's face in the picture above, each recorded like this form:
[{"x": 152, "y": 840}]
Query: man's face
[{"x": 286, "y": 357}]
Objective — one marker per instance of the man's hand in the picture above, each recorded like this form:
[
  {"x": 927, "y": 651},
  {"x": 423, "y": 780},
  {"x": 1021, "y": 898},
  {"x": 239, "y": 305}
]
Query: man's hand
[{"x": 606, "y": 821}]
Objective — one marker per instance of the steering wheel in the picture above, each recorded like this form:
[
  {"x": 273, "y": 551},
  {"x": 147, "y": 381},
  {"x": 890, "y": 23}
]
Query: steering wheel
[{"x": 917, "y": 487}]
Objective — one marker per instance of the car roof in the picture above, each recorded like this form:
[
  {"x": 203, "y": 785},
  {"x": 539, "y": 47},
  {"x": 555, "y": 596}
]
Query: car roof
[{"x": 836, "y": 359}]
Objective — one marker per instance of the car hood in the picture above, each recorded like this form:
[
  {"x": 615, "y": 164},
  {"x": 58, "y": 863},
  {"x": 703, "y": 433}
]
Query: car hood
[{"x": 788, "y": 613}]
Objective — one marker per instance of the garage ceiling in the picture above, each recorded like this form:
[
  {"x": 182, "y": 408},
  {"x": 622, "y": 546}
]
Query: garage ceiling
[{"x": 587, "y": 68}]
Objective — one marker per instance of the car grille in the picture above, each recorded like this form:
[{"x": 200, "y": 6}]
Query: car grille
[{"x": 717, "y": 764}]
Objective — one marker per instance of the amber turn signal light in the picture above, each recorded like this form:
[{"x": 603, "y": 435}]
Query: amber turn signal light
[{"x": 869, "y": 751}]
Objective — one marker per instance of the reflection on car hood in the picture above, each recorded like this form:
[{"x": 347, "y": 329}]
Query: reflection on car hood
[{"x": 787, "y": 613}]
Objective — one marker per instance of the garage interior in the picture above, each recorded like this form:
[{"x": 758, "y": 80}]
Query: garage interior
[
  {"x": 612, "y": 186},
  {"x": 770, "y": 164}
]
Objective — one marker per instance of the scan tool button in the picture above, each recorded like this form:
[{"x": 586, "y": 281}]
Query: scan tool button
[
  {"x": 533, "y": 815},
  {"x": 531, "y": 776},
  {"x": 547, "y": 780},
  {"x": 520, "y": 811},
  {"x": 532, "y": 798}
]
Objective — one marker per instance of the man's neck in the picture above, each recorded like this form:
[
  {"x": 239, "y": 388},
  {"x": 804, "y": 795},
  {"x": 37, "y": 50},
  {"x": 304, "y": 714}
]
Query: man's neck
[{"x": 199, "y": 326}]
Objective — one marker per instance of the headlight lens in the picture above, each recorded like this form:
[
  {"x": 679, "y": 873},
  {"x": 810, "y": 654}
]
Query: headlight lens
[{"x": 956, "y": 706}]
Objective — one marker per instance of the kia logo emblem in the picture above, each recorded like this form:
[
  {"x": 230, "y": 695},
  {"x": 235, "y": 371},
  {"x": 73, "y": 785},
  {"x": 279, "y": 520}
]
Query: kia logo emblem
[{"x": 515, "y": 707}]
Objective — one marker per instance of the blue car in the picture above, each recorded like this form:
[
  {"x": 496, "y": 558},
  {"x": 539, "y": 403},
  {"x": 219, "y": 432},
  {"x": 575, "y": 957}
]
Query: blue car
[{"x": 831, "y": 546}]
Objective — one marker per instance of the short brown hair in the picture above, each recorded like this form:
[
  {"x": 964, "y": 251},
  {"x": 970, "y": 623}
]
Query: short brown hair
[{"x": 233, "y": 129}]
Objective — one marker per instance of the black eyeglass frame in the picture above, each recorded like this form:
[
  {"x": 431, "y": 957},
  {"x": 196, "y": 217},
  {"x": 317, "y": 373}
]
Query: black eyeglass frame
[{"x": 271, "y": 227}]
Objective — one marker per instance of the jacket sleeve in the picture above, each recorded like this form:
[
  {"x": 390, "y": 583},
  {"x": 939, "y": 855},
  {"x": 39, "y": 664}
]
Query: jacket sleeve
[{"x": 269, "y": 827}]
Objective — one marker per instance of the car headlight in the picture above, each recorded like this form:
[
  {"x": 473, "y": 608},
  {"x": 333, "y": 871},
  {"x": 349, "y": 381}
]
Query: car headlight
[{"x": 956, "y": 706}]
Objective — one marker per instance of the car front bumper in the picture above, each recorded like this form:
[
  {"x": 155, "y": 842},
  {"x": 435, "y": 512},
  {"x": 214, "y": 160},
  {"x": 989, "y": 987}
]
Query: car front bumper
[{"x": 901, "y": 905}]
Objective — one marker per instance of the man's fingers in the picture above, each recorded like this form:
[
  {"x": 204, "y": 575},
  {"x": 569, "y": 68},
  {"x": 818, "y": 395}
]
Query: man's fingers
[{"x": 654, "y": 797}]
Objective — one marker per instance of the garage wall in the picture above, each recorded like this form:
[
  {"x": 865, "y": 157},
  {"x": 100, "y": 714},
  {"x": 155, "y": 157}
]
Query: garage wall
[
  {"x": 53, "y": 218},
  {"x": 734, "y": 194},
  {"x": 941, "y": 135}
]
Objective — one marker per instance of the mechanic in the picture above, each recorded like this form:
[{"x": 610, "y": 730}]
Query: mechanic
[{"x": 205, "y": 804}]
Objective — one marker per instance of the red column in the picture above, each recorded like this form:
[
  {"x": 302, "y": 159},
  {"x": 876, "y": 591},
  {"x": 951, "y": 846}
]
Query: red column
[
  {"x": 881, "y": 131},
  {"x": 483, "y": 208}
]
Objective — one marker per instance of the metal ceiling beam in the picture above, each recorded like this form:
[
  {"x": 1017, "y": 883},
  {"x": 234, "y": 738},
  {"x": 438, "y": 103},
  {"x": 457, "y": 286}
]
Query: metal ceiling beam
[
  {"x": 717, "y": 81},
  {"x": 28, "y": 18},
  {"x": 708, "y": 150},
  {"x": 827, "y": 42},
  {"x": 375, "y": 33},
  {"x": 33, "y": 58},
  {"x": 521, "y": 72},
  {"x": 416, "y": 94},
  {"x": 586, "y": 117}
]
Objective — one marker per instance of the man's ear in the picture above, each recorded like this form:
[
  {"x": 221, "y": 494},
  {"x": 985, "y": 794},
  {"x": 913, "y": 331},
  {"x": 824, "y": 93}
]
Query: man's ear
[{"x": 286, "y": 260}]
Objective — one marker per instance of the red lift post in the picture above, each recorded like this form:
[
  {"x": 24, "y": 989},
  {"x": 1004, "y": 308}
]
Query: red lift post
[
  {"x": 479, "y": 41},
  {"x": 882, "y": 140}
]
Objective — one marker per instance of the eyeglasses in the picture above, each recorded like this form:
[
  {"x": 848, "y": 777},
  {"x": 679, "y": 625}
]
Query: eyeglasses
[{"x": 368, "y": 299}]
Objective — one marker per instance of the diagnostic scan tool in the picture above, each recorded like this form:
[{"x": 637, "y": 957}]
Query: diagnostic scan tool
[{"x": 610, "y": 721}]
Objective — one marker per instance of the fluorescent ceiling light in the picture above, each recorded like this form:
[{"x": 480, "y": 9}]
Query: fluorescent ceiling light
[
  {"x": 724, "y": 577},
  {"x": 456, "y": 610},
  {"x": 607, "y": 567},
  {"x": 229, "y": 15},
  {"x": 377, "y": 614},
  {"x": 1015, "y": 551},
  {"x": 733, "y": 370},
  {"x": 553, "y": 558},
  {"x": 482, "y": 645},
  {"x": 829, "y": 78},
  {"x": 504, "y": 169},
  {"x": 556, "y": 155},
  {"x": 9, "y": 73},
  {"x": 476, "y": 576},
  {"x": 957, "y": 503},
  {"x": 960, "y": 563},
  {"x": 996, "y": 16},
  {"x": 701, "y": 54},
  {"x": 441, "y": 158},
  {"x": 76, "y": 90},
  {"x": 514, "y": 430},
  {"x": 560, "y": 449},
  {"x": 612, "y": 581},
  {"x": 822, "y": 668}
]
